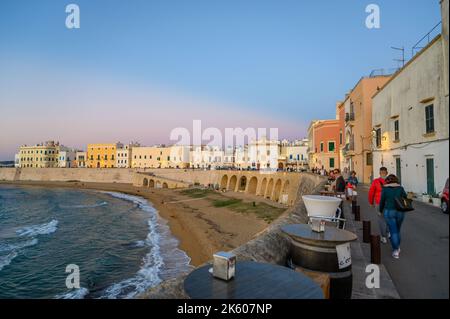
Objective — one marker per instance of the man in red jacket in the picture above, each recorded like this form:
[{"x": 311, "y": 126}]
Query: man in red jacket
[{"x": 374, "y": 198}]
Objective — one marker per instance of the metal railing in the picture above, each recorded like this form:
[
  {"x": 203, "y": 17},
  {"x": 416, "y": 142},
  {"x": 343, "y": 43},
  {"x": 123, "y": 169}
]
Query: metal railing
[{"x": 428, "y": 37}]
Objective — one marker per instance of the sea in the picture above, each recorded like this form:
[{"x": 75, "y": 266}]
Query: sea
[{"x": 73, "y": 244}]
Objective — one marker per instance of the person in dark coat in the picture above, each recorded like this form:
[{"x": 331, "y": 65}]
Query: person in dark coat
[
  {"x": 394, "y": 218},
  {"x": 340, "y": 182}
]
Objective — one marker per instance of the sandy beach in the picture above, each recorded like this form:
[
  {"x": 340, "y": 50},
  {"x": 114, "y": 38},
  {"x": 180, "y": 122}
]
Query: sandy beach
[{"x": 204, "y": 222}]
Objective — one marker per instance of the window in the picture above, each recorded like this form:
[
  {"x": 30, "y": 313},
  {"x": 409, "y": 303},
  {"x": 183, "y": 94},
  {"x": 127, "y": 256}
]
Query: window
[
  {"x": 369, "y": 159},
  {"x": 429, "y": 118},
  {"x": 396, "y": 131},
  {"x": 340, "y": 137},
  {"x": 330, "y": 146},
  {"x": 331, "y": 162},
  {"x": 378, "y": 137},
  {"x": 321, "y": 146}
]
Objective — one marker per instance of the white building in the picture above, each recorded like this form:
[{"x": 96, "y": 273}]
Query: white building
[
  {"x": 179, "y": 156},
  {"x": 241, "y": 157},
  {"x": 66, "y": 157},
  {"x": 123, "y": 155},
  {"x": 410, "y": 116},
  {"x": 80, "y": 159},
  {"x": 206, "y": 157},
  {"x": 295, "y": 154},
  {"x": 17, "y": 160},
  {"x": 264, "y": 154}
]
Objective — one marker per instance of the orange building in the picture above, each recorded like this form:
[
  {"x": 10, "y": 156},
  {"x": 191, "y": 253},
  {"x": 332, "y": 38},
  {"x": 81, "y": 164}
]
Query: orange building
[
  {"x": 355, "y": 117},
  {"x": 102, "y": 155},
  {"x": 324, "y": 144}
]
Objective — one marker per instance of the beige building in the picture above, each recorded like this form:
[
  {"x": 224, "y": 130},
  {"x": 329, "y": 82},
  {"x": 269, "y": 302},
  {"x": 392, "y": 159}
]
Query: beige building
[
  {"x": 39, "y": 156},
  {"x": 160, "y": 157},
  {"x": 357, "y": 122},
  {"x": 411, "y": 118}
]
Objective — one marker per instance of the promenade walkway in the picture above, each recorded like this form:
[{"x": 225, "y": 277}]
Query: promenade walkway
[{"x": 423, "y": 268}]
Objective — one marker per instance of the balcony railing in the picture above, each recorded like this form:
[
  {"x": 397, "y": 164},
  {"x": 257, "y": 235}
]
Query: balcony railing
[{"x": 349, "y": 117}]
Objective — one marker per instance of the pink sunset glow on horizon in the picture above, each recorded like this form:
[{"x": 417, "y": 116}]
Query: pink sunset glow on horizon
[{"x": 82, "y": 110}]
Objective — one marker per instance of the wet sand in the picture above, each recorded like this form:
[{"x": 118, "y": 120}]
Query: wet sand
[{"x": 201, "y": 228}]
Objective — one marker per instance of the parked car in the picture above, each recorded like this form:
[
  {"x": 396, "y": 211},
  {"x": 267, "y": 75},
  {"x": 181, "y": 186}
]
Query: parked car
[{"x": 444, "y": 199}]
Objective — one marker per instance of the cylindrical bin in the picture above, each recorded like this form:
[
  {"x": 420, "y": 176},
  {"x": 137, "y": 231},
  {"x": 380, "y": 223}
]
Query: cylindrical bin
[{"x": 318, "y": 252}]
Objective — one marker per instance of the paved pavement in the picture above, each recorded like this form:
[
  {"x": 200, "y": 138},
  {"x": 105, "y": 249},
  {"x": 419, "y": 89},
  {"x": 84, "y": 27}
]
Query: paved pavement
[{"x": 423, "y": 269}]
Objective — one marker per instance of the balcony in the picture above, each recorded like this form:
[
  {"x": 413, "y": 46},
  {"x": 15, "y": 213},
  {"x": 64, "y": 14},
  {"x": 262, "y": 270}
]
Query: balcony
[
  {"x": 349, "y": 149},
  {"x": 349, "y": 117}
]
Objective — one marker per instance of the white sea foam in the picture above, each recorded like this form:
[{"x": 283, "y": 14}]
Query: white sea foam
[
  {"x": 73, "y": 294},
  {"x": 41, "y": 229},
  {"x": 155, "y": 261},
  {"x": 6, "y": 260},
  {"x": 84, "y": 206},
  {"x": 10, "y": 247}
]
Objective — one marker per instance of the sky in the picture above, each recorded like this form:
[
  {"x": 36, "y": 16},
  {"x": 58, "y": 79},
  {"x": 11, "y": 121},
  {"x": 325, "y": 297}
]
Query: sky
[{"x": 137, "y": 69}]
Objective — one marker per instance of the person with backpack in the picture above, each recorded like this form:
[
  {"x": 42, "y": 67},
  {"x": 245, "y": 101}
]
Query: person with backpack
[
  {"x": 391, "y": 193},
  {"x": 374, "y": 199}
]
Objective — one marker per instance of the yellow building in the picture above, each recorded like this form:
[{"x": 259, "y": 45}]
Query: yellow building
[
  {"x": 102, "y": 155},
  {"x": 40, "y": 155},
  {"x": 151, "y": 157}
]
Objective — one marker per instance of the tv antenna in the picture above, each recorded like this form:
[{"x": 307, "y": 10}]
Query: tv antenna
[{"x": 402, "y": 60}]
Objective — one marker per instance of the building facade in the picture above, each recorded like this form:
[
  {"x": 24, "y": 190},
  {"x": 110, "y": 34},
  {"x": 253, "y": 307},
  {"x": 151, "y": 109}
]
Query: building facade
[
  {"x": 102, "y": 155},
  {"x": 66, "y": 157},
  {"x": 150, "y": 157},
  {"x": 410, "y": 119},
  {"x": 206, "y": 157},
  {"x": 294, "y": 155},
  {"x": 81, "y": 159},
  {"x": 42, "y": 155},
  {"x": 355, "y": 117},
  {"x": 323, "y": 150},
  {"x": 264, "y": 154},
  {"x": 124, "y": 154}
]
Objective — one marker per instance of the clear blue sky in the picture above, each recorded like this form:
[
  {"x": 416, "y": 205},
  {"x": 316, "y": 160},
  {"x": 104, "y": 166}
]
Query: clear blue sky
[{"x": 283, "y": 61}]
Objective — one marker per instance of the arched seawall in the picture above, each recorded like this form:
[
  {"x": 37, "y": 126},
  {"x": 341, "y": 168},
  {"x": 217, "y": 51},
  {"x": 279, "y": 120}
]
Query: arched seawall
[
  {"x": 270, "y": 246},
  {"x": 279, "y": 187}
]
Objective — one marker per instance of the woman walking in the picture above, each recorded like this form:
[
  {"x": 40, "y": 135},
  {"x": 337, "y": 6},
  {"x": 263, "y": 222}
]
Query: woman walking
[{"x": 394, "y": 218}]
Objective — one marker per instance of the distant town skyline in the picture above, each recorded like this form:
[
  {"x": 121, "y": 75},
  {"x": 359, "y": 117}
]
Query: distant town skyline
[{"x": 134, "y": 71}]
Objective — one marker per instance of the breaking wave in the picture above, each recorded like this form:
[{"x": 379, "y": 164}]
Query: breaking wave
[{"x": 41, "y": 229}]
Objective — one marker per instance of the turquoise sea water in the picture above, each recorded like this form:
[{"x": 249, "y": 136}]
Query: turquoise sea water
[{"x": 118, "y": 241}]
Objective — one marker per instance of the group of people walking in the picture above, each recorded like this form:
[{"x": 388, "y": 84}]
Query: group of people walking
[{"x": 384, "y": 192}]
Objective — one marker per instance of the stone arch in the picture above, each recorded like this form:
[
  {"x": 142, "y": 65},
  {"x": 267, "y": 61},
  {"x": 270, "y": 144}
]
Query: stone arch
[
  {"x": 285, "y": 190},
  {"x": 269, "y": 189},
  {"x": 277, "y": 191},
  {"x": 252, "y": 185},
  {"x": 164, "y": 185},
  {"x": 145, "y": 182},
  {"x": 151, "y": 184},
  {"x": 158, "y": 184},
  {"x": 263, "y": 187},
  {"x": 242, "y": 183},
  {"x": 224, "y": 182},
  {"x": 233, "y": 182}
]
